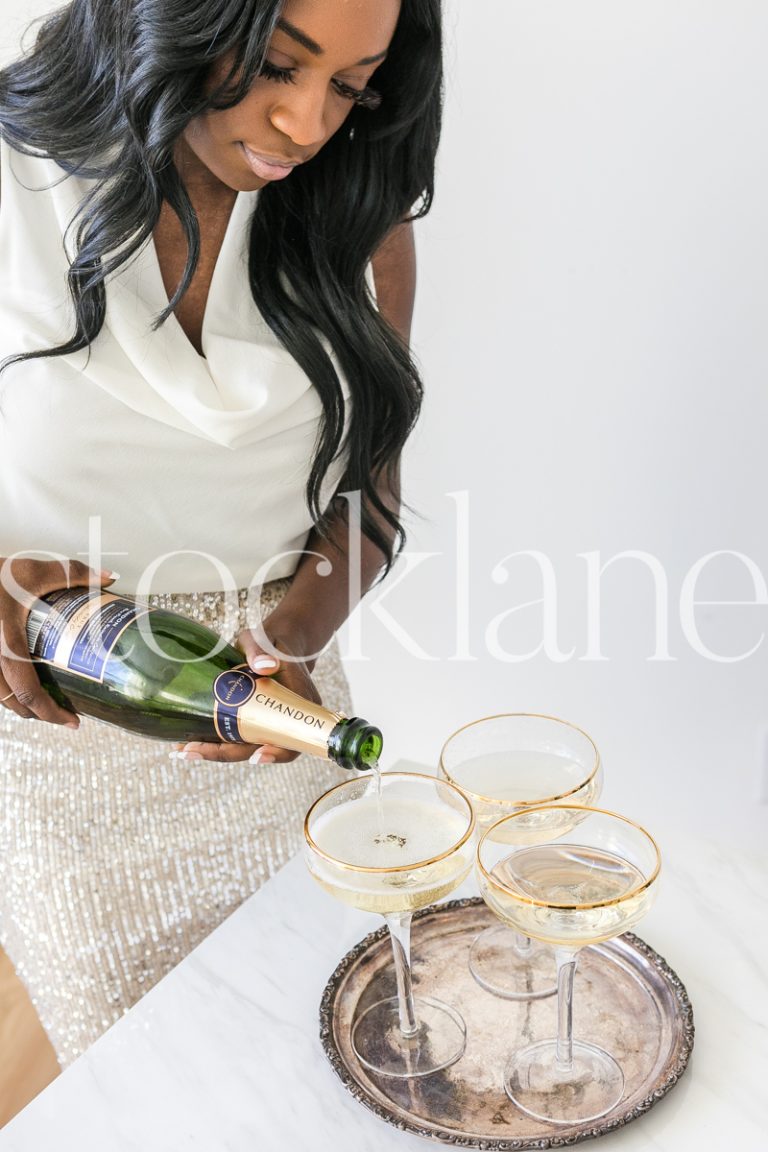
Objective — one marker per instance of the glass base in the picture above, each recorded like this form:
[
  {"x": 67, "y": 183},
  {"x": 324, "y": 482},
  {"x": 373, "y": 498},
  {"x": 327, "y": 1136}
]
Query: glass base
[
  {"x": 588, "y": 1090},
  {"x": 506, "y": 970},
  {"x": 381, "y": 1046}
]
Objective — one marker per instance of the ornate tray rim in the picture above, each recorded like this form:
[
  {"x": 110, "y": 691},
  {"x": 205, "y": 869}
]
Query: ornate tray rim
[{"x": 488, "y": 1144}]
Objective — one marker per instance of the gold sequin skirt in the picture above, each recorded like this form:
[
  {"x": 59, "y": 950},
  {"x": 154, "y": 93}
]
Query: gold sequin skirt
[{"x": 115, "y": 861}]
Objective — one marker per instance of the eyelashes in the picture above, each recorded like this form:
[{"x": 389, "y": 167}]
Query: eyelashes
[
  {"x": 271, "y": 72},
  {"x": 364, "y": 97}
]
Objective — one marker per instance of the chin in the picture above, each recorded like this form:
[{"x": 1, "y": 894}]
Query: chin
[{"x": 247, "y": 184}]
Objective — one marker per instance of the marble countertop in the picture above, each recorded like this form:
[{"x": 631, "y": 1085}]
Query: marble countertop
[{"x": 224, "y": 1053}]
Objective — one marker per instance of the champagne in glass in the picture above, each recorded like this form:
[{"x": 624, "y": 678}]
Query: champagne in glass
[
  {"x": 392, "y": 848},
  {"x": 571, "y": 876},
  {"x": 503, "y": 764}
]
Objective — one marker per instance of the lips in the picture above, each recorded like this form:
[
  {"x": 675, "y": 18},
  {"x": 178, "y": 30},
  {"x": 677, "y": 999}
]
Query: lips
[{"x": 268, "y": 167}]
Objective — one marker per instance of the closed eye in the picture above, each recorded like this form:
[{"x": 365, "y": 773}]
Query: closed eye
[
  {"x": 272, "y": 72},
  {"x": 364, "y": 97}
]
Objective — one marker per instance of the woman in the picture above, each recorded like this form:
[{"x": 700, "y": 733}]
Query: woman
[{"x": 200, "y": 391}]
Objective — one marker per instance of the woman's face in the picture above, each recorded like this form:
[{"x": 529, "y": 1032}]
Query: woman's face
[{"x": 322, "y": 53}]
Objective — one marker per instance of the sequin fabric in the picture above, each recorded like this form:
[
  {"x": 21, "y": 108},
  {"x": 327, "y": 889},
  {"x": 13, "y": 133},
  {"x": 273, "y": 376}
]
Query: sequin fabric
[{"x": 115, "y": 861}]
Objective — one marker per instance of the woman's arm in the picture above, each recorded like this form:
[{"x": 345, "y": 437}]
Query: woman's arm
[
  {"x": 316, "y": 606},
  {"x": 394, "y": 273}
]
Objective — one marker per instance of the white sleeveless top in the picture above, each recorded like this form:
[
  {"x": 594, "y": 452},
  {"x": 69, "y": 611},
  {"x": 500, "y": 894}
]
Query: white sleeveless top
[{"x": 191, "y": 469}]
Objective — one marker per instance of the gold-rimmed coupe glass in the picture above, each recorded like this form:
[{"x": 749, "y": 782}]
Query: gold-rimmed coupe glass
[
  {"x": 503, "y": 764},
  {"x": 570, "y": 876},
  {"x": 391, "y": 846}
]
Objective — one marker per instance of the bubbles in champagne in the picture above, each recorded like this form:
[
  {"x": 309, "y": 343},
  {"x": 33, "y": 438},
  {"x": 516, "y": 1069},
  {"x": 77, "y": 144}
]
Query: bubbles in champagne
[{"x": 386, "y": 830}]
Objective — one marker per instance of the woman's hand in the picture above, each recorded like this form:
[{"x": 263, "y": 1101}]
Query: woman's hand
[
  {"x": 294, "y": 673},
  {"x": 21, "y": 583}
]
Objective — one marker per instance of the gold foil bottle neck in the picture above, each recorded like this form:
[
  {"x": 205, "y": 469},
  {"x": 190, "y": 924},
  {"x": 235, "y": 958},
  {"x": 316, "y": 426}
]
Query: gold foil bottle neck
[{"x": 276, "y": 715}]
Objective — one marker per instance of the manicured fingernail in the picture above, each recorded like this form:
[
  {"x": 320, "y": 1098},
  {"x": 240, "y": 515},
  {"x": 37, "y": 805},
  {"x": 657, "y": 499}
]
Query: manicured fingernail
[
  {"x": 264, "y": 663},
  {"x": 261, "y": 758},
  {"x": 105, "y": 575},
  {"x": 184, "y": 756},
  {"x": 72, "y": 724}
]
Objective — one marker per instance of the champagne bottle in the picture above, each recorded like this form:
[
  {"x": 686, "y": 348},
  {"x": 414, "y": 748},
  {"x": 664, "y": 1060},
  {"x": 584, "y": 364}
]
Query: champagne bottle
[{"x": 160, "y": 674}]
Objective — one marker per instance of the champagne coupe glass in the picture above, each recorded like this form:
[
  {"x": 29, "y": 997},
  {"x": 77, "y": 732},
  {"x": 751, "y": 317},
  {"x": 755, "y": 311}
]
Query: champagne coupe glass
[
  {"x": 502, "y": 764},
  {"x": 392, "y": 845},
  {"x": 571, "y": 876}
]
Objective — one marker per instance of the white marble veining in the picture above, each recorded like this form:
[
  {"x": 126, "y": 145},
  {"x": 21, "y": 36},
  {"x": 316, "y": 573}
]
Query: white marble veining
[{"x": 224, "y": 1054}]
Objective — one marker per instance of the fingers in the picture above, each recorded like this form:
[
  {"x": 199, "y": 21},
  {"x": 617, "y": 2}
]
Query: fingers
[
  {"x": 76, "y": 574},
  {"x": 267, "y": 656},
  {"x": 22, "y": 582},
  {"x": 233, "y": 753},
  {"x": 272, "y": 755},
  {"x": 30, "y": 699},
  {"x": 260, "y": 659},
  {"x": 8, "y": 700},
  {"x": 271, "y": 655},
  {"x": 219, "y": 753}
]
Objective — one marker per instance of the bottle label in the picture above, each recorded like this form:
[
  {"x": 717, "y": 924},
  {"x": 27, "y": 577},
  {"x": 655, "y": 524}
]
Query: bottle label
[
  {"x": 260, "y": 710},
  {"x": 80, "y": 632},
  {"x": 231, "y": 690}
]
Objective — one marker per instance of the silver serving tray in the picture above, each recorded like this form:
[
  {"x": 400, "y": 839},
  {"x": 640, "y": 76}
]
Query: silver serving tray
[{"x": 626, "y": 998}]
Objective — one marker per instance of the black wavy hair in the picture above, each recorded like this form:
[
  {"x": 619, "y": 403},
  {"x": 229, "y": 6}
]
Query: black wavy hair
[{"x": 106, "y": 91}]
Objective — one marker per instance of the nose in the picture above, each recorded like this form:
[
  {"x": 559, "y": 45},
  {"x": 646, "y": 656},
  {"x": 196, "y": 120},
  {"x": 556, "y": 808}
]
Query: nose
[{"x": 300, "y": 114}]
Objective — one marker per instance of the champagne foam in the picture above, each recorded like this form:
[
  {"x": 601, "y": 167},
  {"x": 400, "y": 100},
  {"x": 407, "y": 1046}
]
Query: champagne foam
[{"x": 390, "y": 833}]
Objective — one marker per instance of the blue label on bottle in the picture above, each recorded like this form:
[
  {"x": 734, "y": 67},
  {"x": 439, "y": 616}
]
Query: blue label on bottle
[
  {"x": 80, "y": 631},
  {"x": 232, "y": 689}
]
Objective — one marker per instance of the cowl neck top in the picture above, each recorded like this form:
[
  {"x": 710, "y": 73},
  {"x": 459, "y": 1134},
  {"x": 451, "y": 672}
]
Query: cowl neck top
[{"x": 169, "y": 450}]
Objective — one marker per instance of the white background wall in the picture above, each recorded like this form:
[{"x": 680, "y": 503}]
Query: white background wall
[{"x": 591, "y": 324}]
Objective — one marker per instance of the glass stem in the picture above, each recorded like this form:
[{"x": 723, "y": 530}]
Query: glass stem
[
  {"x": 521, "y": 944},
  {"x": 566, "y": 967},
  {"x": 399, "y": 925}
]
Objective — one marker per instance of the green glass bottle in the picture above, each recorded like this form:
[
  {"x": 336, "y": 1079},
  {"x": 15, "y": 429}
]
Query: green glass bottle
[{"x": 160, "y": 674}]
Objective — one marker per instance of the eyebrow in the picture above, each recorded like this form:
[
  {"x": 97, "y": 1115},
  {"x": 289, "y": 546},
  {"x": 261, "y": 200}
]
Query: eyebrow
[{"x": 313, "y": 47}]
